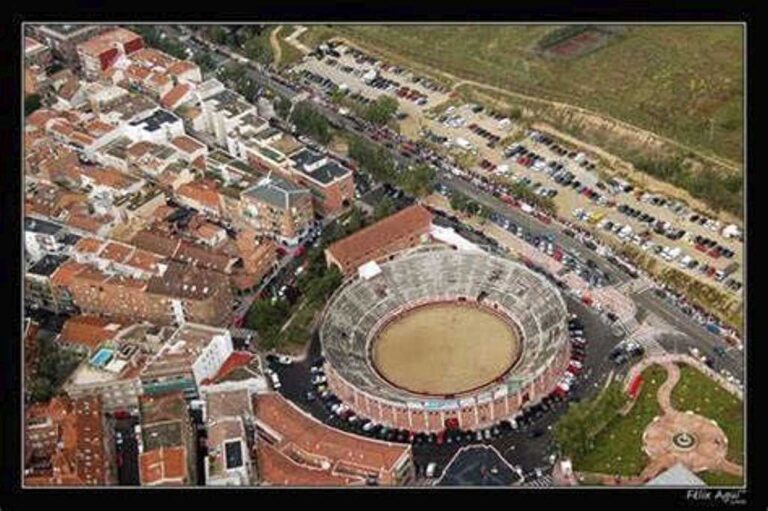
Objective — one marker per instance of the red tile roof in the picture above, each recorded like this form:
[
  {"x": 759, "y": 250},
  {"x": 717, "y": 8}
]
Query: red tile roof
[
  {"x": 312, "y": 441},
  {"x": 166, "y": 465},
  {"x": 106, "y": 41},
  {"x": 66, "y": 272},
  {"x": 187, "y": 144},
  {"x": 89, "y": 245},
  {"x": 201, "y": 193},
  {"x": 173, "y": 96},
  {"x": 277, "y": 469},
  {"x": 181, "y": 67},
  {"x": 116, "y": 252},
  {"x": 88, "y": 331},
  {"x": 380, "y": 234}
]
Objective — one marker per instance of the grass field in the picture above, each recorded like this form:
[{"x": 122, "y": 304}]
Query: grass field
[
  {"x": 684, "y": 82},
  {"x": 696, "y": 392},
  {"x": 720, "y": 479},
  {"x": 618, "y": 449}
]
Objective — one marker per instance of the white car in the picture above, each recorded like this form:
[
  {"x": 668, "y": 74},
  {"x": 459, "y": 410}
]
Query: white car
[
  {"x": 285, "y": 360},
  {"x": 275, "y": 381}
]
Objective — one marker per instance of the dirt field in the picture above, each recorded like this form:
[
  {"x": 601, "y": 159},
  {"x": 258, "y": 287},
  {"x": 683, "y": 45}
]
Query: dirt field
[{"x": 445, "y": 349}]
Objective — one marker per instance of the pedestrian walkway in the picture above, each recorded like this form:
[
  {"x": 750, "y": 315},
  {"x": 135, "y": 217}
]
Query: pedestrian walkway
[
  {"x": 645, "y": 335},
  {"x": 676, "y": 436},
  {"x": 540, "y": 482}
]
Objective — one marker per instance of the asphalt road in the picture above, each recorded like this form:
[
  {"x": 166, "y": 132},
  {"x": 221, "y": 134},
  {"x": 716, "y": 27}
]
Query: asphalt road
[
  {"x": 692, "y": 335},
  {"x": 127, "y": 452},
  {"x": 534, "y": 225}
]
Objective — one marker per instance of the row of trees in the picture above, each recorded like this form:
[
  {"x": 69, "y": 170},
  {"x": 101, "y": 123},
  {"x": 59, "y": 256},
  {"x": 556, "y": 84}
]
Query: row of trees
[
  {"x": 377, "y": 161},
  {"x": 461, "y": 202},
  {"x": 252, "y": 40},
  {"x": 316, "y": 284}
]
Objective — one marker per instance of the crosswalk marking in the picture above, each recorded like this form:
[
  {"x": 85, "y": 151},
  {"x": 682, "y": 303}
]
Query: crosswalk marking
[{"x": 540, "y": 482}]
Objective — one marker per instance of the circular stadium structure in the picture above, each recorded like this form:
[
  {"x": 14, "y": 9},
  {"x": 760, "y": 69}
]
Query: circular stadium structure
[{"x": 443, "y": 338}]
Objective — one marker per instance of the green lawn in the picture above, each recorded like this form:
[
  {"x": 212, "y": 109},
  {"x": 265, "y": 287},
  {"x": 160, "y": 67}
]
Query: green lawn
[
  {"x": 618, "y": 448},
  {"x": 684, "y": 82},
  {"x": 720, "y": 479},
  {"x": 297, "y": 334},
  {"x": 696, "y": 392}
]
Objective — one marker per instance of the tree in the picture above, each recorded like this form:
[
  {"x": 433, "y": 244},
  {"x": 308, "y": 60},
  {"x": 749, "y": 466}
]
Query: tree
[
  {"x": 418, "y": 181},
  {"x": 31, "y": 103},
  {"x": 258, "y": 49},
  {"x": 459, "y": 201},
  {"x": 374, "y": 160},
  {"x": 337, "y": 96},
  {"x": 384, "y": 208},
  {"x": 56, "y": 364},
  {"x": 266, "y": 317},
  {"x": 206, "y": 62},
  {"x": 218, "y": 34},
  {"x": 356, "y": 221},
  {"x": 282, "y": 107},
  {"x": 310, "y": 122},
  {"x": 382, "y": 110}
]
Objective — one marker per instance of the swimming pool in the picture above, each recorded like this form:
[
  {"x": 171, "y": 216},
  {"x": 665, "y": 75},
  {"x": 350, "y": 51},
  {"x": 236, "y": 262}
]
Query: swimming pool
[{"x": 102, "y": 357}]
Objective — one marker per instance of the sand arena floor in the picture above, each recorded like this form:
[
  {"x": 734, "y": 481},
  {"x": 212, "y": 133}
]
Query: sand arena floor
[{"x": 443, "y": 349}]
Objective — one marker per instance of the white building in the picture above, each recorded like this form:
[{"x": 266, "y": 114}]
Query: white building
[
  {"x": 159, "y": 126},
  {"x": 230, "y": 423},
  {"x": 222, "y": 110}
]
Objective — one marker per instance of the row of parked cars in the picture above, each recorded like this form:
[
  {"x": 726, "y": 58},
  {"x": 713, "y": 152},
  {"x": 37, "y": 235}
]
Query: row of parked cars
[
  {"x": 484, "y": 133},
  {"x": 553, "y": 146},
  {"x": 325, "y": 83},
  {"x": 578, "y": 355},
  {"x": 556, "y": 171}
]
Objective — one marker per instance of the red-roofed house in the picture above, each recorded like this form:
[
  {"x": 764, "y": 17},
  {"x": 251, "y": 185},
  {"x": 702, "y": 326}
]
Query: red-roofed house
[
  {"x": 86, "y": 333},
  {"x": 100, "y": 53},
  {"x": 176, "y": 96},
  {"x": 165, "y": 466},
  {"x": 202, "y": 196}
]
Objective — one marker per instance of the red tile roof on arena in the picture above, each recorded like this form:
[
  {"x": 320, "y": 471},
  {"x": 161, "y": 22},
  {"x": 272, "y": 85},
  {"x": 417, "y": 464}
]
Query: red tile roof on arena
[
  {"x": 313, "y": 442},
  {"x": 277, "y": 469}
]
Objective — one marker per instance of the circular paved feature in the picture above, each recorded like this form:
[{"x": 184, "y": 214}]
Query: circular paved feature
[
  {"x": 704, "y": 443},
  {"x": 444, "y": 349},
  {"x": 684, "y": 440}
]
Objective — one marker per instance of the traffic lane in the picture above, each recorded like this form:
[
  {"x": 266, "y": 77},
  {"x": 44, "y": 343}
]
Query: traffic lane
[
  {"x": 686, "y": 325},
  {"x": 680, "y": 343},
  {"x": 535, "y": 226}
]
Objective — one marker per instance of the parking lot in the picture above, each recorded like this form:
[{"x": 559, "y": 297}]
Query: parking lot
[
  {"x": 650, "y": 222},
  {"x": 365, "y": 78},
  {"x": 666, "y": 229}
]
